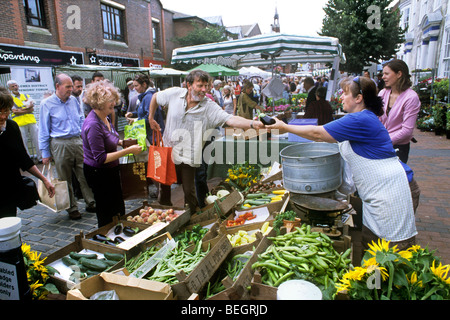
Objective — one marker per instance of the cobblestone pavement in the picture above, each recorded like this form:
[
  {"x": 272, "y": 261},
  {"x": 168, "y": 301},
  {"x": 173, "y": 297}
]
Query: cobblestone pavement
[{"x": 47, "y": 232}]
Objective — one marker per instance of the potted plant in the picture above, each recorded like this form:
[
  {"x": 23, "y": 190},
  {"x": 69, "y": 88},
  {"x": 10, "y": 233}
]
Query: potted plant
[
  {"x": 448, "y": 123},
  {"x": 439, "y": 118},
  {"x": 287, "y": 219}
]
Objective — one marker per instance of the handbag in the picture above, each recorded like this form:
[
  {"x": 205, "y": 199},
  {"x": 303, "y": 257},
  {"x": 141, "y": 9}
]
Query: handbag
[
  {"x": 28, "y": 194},
  {"x": 161, "y": 167},
  {"x": 133, "y": 179},
  {"x": 61, "y": 199}
]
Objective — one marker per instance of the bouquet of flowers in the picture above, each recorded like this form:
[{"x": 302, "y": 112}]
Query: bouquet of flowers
[
  {"x": 38, "y": 274},
  {"x": 389, "y": 274}
]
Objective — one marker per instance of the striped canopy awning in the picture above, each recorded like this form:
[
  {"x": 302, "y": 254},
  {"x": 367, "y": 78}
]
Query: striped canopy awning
[{"x": 247, "y": 52}]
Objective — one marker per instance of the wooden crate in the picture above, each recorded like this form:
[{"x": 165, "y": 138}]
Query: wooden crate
[
  {"x": 237, "y": 290},
  {"x": 172, "y": 227},
  {"x": 199, "y": 277},
  {"x": 218, "y": 210},
  {"x": 78, "y": 245},
  {"x": 107, "y": 228},
  {"x": 260, "y": 291}
]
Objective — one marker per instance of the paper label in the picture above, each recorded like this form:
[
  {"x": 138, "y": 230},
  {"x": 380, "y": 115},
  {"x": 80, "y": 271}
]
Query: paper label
[{"x": 9, "y": 289}]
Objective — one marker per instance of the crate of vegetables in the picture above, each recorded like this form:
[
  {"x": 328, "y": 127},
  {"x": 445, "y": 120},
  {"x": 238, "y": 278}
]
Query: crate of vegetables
[
  {"x": 81, "y": 259},
  {"x": 161, "y": 219},
  {"x": 116, "y": 232},
  {"x": 235, "y": 275},
  {"x": 221, "y": 205},
  {"x": 300, "y": 254},
  {"x": 273, "y": 200},
  {"x": 193, "y": 233}
]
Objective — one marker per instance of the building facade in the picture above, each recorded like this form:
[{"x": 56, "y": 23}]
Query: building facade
[
  {"x": 427, "y": 36},
  {"x": 104, "y": 32}
]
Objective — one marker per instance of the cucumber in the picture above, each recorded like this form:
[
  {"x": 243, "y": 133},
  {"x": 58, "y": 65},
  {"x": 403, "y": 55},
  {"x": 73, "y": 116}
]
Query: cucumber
[
  {"x": 68, "y": 261},
  {"x": 94, "y": 264},
  {"x": 78, "y": 256},
  {"x": 254, "y": 195},
  {"x": 113, "y": 256}
]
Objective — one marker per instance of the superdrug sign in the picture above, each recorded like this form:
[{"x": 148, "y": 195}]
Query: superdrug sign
[{"x": 11, "y": 55}]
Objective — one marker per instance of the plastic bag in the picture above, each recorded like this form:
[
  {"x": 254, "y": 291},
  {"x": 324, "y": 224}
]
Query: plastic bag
[
  {"x": 348, "y": 186},
  {"x": 105, "y": 295}
]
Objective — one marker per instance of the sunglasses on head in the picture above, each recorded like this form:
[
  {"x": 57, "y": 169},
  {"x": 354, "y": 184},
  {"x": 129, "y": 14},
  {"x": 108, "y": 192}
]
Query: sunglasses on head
[{"x": 356, "y": 79}]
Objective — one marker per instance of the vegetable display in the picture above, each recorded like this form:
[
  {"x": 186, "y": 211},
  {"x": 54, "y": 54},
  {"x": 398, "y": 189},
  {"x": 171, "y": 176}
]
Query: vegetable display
[
  {"x": 240, "y": 220},
  {"x": 242, "y": 176},
  {"x": 287, "y": 215},
  {"x": 264, "y": 187},
  {"x": 261, "y": 198},
  {"x": 85, "y": 265},
  {"x": 149, "y": 215},
  {"x": 243, "y": 237},
  {"x": 191, "y": 236},
  {"x": 232, "y": 268},
  {"x": 303, "y": 254}
]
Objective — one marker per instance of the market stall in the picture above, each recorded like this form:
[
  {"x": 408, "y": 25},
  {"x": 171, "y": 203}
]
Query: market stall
[
  {"x": 215, "y": 70},
  {"x": 267, "y": 49}
]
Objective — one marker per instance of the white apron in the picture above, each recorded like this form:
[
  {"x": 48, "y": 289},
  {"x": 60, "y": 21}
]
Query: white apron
[{"x": 383, "y": 187}]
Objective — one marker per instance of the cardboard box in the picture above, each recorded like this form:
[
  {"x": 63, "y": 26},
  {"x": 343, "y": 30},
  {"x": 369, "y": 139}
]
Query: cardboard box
[
  {"x": 127, "y": 288},
  {"x": 172, "y": 227},
  {"x": 260, "y": 291},
  {"x": 237, "y": 289},
  {"x": 200, "y": 276},
  {"x": 108, "y": 230},
  {"x": 64, "y": 284},
  {"x": 219, "y": 210}
]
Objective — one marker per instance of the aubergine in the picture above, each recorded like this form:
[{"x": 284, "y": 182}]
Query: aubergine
[
  {"x": 118, "y": 229},
  {"x": 118, "y": 240},
  {"x": 266, "y": 120},
  {"x": 100, "y": 238},
  {"x": 128, "y": 231}
]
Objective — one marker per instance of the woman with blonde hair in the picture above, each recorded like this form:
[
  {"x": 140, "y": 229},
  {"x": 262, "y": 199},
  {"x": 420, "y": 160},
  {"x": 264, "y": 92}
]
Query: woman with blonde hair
[
  {"x": 101, "y": 157},
  {"x": 229, "y": 100}
]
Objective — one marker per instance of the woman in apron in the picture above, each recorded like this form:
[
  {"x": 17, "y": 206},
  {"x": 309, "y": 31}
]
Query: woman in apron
[{"x": 381, "y": 179}]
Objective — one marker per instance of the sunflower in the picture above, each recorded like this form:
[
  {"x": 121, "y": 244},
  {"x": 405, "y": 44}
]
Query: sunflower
[
  {"x": 356, "y": 274},
  {"x": 413, "y": 280},
  {"x": 382, "y": 246},
  {"x": 414, "y": 248},
  {"x": 441, "y": 271},
  {"x": 406, "y": 254},
  {"x": 382, "y": 270}
]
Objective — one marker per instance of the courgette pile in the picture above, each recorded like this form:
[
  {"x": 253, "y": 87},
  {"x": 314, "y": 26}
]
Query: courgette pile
[{"x": 85, "y": 265}]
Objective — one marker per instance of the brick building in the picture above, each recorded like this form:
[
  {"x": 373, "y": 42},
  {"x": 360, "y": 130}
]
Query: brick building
[{"x": 127, "y": 32}]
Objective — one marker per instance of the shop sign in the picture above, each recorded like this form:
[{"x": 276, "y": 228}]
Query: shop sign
[
  {"x": 153, "y": 64},
  {"x": 12, "y": 55},
  {"x": 109, "y": 61}
]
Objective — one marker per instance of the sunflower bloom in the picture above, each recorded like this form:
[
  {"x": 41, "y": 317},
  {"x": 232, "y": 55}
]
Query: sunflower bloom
[
  {"x": 356, "y": 274},
  {"x": 440, "y": 271},
  {"x": 406, "y": 254},
  {"x": 414, "y": 248},
  {"x": 413, "y": 280},
  {"x": 370, "y": 262},
  {"x": 382, "y": 246}
]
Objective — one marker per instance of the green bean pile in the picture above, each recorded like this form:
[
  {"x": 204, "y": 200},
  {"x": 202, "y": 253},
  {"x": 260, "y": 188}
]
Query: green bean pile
[
  {"x": 178, "y": 259},
  {"x": 302, "y": 254}
]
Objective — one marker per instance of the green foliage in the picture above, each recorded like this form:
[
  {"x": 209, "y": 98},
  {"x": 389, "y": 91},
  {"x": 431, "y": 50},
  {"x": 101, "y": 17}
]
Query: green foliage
[
  {"x": 349, "y": 21},
  {"x": 202, "y": 35},
  {"x": 448, "y": 118},
  {"x": 440, "y": 89},
  {"x": 439, "y": 116}
]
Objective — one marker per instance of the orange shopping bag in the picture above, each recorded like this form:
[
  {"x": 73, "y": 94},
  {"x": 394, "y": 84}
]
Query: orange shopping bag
[{"x": 160, "y": 164}]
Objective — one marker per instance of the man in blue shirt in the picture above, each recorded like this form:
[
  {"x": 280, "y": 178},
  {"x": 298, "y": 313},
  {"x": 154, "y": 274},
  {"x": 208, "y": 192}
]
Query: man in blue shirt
[{"x": 60, "y": 122}]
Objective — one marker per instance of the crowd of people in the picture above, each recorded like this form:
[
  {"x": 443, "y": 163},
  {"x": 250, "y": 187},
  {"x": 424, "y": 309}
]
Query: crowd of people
[{"x": 78, "y": 133}]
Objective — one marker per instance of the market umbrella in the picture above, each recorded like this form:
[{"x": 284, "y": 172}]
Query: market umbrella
[
  {"x": 254, "y": 72},
  {"x": 267, "y": 49},
  {"x": 167, "y": 72},
  {"x": 215, "y": 70}
]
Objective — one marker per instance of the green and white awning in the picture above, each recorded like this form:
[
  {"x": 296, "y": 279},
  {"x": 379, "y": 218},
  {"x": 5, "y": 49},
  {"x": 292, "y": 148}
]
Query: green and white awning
[{"x": 247, "y": 52}]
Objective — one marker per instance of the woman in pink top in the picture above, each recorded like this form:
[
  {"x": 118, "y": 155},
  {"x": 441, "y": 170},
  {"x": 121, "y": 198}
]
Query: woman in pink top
[{"x": 401, "y": 106}]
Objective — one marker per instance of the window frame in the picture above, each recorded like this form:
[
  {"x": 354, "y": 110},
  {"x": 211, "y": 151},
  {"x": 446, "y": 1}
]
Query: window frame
[
  {"x": 41, "y": 17},
  {"x": 156, "y": 34},
  {"x": 114, "y": 17}
]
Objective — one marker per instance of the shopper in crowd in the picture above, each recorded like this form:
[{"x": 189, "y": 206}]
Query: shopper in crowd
[
  {"x": 229, "y": 100},
  {"x": 101, "y": 157},
  {"x": 217, "y": 93},
  {"x": 380, "y": 178},
  {"x": 310, "y": 88},
  {"x": 320, "y": 109},
  {"x": 23, "y": 109},
  {"x": 60, "y": 122},
  {"x": 145, "y": 89},
  {"x": 14, "y": 159},
  {"x": 78, "y": 93},
  {"x": 245, "y": 104},
  {"x": 190, "y": 113},
  {"x": 401, "y": 106},
  {"x": 237, "y": 89}
]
